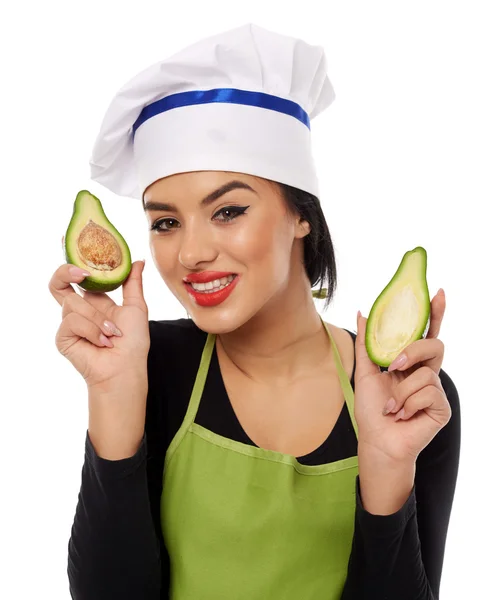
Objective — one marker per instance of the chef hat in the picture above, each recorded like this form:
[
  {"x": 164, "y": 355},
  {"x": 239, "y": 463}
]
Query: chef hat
[{"x": 238, "y": 101}]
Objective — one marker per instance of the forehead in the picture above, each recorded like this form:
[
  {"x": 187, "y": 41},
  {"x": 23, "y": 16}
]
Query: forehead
[{"x": 198, "y": 183}]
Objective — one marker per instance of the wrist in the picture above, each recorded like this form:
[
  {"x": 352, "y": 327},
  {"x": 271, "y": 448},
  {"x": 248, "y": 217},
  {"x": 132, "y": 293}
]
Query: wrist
[
  {"x": 132, "y": 378},
  {"x": 367, "y": 452},
  {"x": 385, "y": 483},
  {"x": 116, "y": 419}
]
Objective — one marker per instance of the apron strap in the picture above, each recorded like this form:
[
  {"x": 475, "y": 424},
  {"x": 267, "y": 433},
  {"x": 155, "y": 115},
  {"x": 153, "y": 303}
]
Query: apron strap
[
  {"x": 344, "y": 380},
  {"x": 194, "y": 398}
]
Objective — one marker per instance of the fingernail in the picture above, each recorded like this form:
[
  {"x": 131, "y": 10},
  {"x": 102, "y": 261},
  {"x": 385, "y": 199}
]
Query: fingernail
[
  {"x": 78, "y": 272},
  {"x": 400, "y": 415},
  {"x": 389, "y": 406},
  {"x": 112, "y": 328},
  {"x": 106, "y": 341},
  {"x": 398, "y": 362}
]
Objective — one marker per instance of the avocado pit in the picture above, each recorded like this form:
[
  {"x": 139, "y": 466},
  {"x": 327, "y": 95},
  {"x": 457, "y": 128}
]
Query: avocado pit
[{"x": 98, "y": 248}]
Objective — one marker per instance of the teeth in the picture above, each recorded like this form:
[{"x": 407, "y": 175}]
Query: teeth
[{"x": 215, "y": 286}]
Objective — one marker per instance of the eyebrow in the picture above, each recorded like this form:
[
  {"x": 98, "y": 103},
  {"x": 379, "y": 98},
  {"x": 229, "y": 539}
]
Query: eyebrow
[{"x": 152, "y": 205}]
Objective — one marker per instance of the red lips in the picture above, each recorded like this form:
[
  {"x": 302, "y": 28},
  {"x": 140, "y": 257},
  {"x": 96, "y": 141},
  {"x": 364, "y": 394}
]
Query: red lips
[
  {"x": 212, "y": 298},
  {"x": 205, "y": 276}
]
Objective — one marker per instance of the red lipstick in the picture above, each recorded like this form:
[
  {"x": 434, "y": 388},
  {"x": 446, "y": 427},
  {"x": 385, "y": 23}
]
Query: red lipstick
[
  {"x": 205, "y": 276},
  {"x": 211, "y": 298}
]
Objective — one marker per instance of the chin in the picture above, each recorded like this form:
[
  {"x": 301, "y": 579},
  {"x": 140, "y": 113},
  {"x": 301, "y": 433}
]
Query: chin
[{"x": 215, "y": 323}]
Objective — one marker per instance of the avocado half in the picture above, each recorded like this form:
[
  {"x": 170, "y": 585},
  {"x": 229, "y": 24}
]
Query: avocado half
[
  {"x": 401, "y": 313},
  {"x": 93, "y": 243}
]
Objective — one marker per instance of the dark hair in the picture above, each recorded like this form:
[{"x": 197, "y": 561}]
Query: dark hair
[{"x": 319, "y": 254}]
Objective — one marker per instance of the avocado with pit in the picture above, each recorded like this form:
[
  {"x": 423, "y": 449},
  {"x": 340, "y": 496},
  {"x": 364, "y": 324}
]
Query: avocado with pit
[
  {"x": 93, "y": 243},
  {"x": 401, "y": 313}
]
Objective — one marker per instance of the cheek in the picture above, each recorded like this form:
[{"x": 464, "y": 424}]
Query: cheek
[
  {"x": 163, "y": 256},
  {"x": 265, "y": 242}
]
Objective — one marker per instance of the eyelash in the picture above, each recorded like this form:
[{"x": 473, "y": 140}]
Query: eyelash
[{"x": 237, "y": 210}]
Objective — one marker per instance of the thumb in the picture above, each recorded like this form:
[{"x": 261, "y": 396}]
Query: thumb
[
  {"x": 132, "y": 288},
  {"x": 364, "y": 365}
]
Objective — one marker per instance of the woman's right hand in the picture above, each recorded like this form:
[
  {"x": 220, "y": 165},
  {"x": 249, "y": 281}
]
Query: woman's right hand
[{"x": 80, "y": 337}]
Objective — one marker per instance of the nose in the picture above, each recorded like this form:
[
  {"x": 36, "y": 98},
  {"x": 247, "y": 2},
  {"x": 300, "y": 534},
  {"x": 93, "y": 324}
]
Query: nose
[{"x": 197, "y": 247}]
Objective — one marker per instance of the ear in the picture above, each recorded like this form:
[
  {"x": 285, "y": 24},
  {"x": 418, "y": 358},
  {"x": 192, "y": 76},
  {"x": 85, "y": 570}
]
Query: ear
[{"x": 302, "y": 228}]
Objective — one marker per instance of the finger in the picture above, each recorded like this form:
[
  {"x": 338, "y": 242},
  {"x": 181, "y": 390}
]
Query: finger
[
  {"x": 364, "y": 365},
  {"x": 60, "y": 284},
  {"x": 430, "y": 400},
  {"x": 76, "y": 327},
  {"x": 416, "y": 381},
  {"x": 425, "y": 352},
  {"x": 132, "y": 288},
  {"x": 78, "y": 305},
  {"x": 437, "y": 311}
]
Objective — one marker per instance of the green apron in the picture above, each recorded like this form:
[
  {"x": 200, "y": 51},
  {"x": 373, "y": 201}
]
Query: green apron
[{"x": 243, "y": 522}]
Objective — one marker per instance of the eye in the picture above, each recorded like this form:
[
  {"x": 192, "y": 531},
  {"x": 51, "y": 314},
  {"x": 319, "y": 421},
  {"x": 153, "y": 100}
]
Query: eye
[
  {"x": 234, "y": 210},
  {"x": 156, "y": 225},
  {"x": 233, "y": 213}
]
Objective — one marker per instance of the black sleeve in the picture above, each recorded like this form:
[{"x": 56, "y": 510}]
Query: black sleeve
[
  {"x": 400, "y": 556},
  {"x": 113, "y": 551}
]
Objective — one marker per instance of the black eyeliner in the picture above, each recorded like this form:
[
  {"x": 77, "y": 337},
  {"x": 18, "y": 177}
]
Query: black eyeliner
[{"x": 238, "y": 210}]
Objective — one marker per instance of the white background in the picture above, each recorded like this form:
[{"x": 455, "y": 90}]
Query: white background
[{"x": 397, "y": 155}]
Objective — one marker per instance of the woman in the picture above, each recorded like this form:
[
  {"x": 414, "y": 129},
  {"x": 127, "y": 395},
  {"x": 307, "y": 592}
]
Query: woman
[{"x": 226, "y": 454}]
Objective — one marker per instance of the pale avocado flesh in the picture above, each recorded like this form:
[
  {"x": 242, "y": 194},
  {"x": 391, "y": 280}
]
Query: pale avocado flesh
[
  {"x": 401, "y": 313},
  {"x": 93, "y": 243}
]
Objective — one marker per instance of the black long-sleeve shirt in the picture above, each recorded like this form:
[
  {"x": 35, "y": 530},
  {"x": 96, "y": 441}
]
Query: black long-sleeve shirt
[{"x": 116, "y": 549}]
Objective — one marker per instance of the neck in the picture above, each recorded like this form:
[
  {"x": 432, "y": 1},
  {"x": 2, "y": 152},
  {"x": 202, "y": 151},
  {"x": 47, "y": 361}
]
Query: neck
[{"x": 283, "y": 342}]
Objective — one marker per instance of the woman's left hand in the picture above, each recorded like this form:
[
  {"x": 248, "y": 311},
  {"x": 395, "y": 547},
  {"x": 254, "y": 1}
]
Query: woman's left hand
[{"x": 421, "y": 406}]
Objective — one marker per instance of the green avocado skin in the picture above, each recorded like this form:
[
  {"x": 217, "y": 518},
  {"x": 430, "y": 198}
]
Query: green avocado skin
[
  {"x": 95, "y": 283},
  {"x": 422, "y": 296}
]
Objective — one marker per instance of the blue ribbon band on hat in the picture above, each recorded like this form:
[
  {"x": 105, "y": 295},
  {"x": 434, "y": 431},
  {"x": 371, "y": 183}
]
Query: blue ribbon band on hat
[{"x": 229, "y": 95}]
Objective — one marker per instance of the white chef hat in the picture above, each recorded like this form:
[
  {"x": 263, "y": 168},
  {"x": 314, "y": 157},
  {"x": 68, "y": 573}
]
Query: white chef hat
[{"x": 238, "y": 101}]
